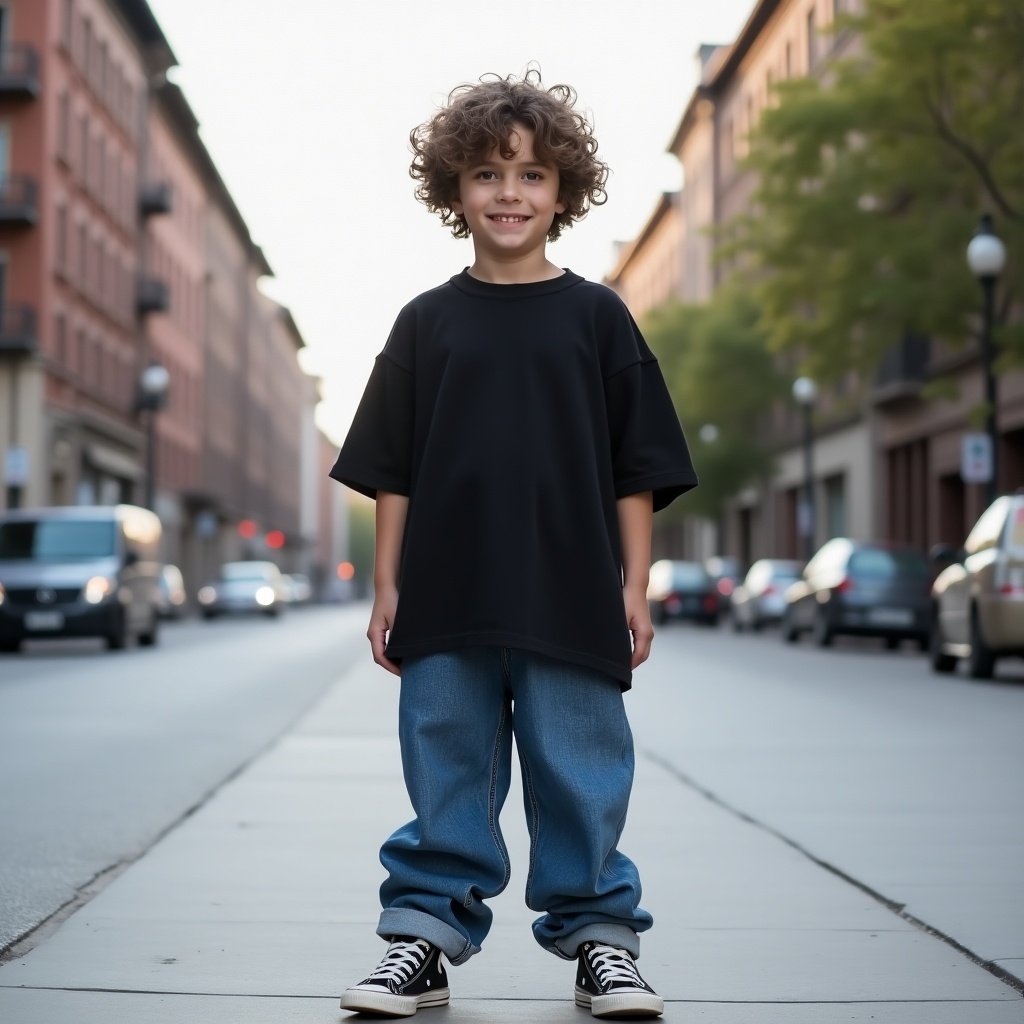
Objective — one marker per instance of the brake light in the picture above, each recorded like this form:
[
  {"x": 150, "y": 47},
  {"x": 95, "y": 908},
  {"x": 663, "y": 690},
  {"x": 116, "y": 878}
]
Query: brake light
[
  {"x": 770, "y": 590},
  {"x": 710, "y": 603},
  {"x": 725, "y": 586},
  {"x": 1011, "y": 590},
  {"x": 845, "y": 586}
]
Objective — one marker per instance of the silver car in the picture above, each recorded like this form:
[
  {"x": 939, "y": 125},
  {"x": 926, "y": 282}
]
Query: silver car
[
  {"x": 760, "y": 599},
  {"x": 244, "y": 587},
  {"x": 978, "y": 601}
]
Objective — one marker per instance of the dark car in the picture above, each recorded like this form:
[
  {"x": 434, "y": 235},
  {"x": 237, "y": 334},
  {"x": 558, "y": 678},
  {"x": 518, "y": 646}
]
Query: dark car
[
  {"x": 863, "y": 589},
  {"x": 682, "y": 590},
  {"x": 79, "y": 571},
  {"x": 760, "y": 599}
]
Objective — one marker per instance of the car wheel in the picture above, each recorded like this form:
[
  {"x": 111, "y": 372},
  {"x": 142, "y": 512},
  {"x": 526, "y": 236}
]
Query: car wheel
[
  {"x": 892, "y": 643},
  {"x": 789, "y": 631},
  {"x": 940, "y": 660},
  {"x": 737, "y": 626},
  {"x": 10, "y": 646},
  {"x": 150, "y": 637},
  {"x": 981, "y": 664},
  {"x": 757, "y": 625},
  {"x": 117, "y": 638},
  {"x": 823, "y": 634}
]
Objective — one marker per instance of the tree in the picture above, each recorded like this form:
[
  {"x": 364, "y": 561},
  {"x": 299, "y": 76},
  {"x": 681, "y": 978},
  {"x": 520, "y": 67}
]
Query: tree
[
  {"x": 721, "y": 374},
  {"x": 872, "y": 180}
]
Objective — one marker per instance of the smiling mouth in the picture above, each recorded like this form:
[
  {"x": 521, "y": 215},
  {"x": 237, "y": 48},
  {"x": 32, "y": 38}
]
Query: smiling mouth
[{"x": 504, "y": 218}]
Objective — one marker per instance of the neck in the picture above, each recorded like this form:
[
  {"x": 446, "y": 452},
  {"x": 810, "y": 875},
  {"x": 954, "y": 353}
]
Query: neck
[{"x": 515, "y": 271}]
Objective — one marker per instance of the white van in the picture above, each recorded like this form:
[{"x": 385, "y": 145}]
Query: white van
[{"x": 77, "y": 571}]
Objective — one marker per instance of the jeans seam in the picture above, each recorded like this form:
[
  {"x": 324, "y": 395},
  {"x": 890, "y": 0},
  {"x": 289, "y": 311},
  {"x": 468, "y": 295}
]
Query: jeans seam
[
  {"x": 492, "y": 817},
  {"x": 533, "y": 825}
]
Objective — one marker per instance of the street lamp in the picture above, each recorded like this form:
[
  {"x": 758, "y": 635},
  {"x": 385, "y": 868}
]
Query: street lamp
[
  {"x": 154, "y": 383},
  {"x": 805, "y": 393},
  {"x": 709, "y": 433},
  {"x": 986, "y": 256}
]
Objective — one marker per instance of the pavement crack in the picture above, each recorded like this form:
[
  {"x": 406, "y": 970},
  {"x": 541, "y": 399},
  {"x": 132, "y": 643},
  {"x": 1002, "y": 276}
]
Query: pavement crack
[{"x": 896, "y": 907}]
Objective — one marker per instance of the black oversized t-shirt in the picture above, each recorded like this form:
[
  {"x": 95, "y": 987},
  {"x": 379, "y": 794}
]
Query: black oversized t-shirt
[{"x": 513, "y": 417}]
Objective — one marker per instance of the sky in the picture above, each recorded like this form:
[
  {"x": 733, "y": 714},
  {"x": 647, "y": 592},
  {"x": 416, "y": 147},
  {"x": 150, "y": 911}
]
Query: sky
[{"x": 306, "y": 108}]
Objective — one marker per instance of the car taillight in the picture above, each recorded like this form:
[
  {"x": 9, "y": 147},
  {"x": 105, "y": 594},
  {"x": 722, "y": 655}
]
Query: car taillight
[
  {"x": 770, "y": 590},
  {"x": 710, "y": 603},
  {"x": 845, "y": 586},
  {"x": 1011, "y": 590}
]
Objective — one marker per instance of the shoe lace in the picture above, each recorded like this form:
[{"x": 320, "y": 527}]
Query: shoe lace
[
  {"x": 611, "y": 964},
  {"x": 402, "y": 959}
]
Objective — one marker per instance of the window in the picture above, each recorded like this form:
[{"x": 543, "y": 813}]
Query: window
[
  {"x": 789, "y": 60},
  {"x": 83, "y": 255},
  {"x": 67, "y": 13},
  {"x": 835, "y": 505},
  {"x": 83, "y": 148},
  {"x": 60, "y": 329},
  {"x": 812, "y": 39},
  {"x": 62, "y": 238},
  {"x": 64, "y": 126}
]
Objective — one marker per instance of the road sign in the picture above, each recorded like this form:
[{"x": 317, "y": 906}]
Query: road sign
[
  {"x": 16, "y": 466},
  {"x": 976, "y": 459}
]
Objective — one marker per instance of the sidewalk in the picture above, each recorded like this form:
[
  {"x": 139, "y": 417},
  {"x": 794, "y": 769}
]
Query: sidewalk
[{"x": 261, "y": 907}]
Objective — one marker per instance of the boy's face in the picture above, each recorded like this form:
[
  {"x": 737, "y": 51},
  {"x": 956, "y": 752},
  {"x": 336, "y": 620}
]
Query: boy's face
[{"x": 509, "y": 205}]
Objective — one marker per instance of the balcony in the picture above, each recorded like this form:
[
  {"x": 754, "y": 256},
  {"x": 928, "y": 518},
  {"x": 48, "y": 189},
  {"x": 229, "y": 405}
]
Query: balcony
[
  {"x": 19, "y": 71},
  {"x": 19, "y": 200},
  {"x": 17, "y": 330},
  {"x": 902, "y": 372},
  {"x": 156, "y": 198},
  {"x": 152, "y": 295}
]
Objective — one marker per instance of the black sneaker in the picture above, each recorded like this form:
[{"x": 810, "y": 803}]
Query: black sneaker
[
  {"x": 610, "y": 985},
  {"x": 411, "y": 975}
]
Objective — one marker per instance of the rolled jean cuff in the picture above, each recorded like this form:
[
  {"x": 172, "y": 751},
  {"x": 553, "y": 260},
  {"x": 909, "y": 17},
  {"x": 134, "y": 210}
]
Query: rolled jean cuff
[
  {"x": 612, "y": 934},
  {"x": 399, "y": 921}
]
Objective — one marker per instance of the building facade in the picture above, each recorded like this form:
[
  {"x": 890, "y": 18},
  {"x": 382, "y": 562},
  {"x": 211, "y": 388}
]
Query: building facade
[
  {"x": 886, "y": 465},
  {"x": 120, "y": 248}
]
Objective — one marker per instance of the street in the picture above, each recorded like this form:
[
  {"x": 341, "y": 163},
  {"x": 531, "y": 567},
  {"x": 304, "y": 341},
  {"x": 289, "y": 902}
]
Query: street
[
  {"x": 100, "y": 752},
  {"x": 896, "y": 795}
]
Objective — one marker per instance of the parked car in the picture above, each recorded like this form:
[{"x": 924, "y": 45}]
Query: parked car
[
  {"x": 79, "y": 571},
  {"x": 725, "y": 573},
  {"x": 978, "y": 601},
  {"x": 244, "y": 587},
  {"x": 172, "y": 593},
  {"x": 760, "y": 599},
  {"x": 682, "y": 590},
  {"x": 298, "y": 588},
  {"x": 865, "y": 589}
]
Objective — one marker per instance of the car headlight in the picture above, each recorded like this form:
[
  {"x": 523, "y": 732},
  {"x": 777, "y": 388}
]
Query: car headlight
[
  {"x": 265, "y": 597},
  {"x": 98, "y": 589},
  {"x": 207, "y": 595}
]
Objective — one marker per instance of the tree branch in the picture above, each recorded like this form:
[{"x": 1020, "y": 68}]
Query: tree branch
[{"x": 947, "y": 134}]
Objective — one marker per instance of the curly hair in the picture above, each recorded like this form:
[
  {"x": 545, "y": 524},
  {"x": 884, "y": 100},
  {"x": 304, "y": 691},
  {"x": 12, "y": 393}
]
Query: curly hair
[{"x": 480, "y": 117}]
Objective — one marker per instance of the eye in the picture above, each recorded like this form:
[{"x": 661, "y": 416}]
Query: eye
[
  {"x": 486, "y": 175},
  {"x": 533, "y": 176}
]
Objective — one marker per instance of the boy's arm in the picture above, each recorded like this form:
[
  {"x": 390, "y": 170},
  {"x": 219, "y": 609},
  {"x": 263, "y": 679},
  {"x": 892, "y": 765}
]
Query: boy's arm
[
  {"x": 636, "y": 516},
  {"x": 390, "y": 519}
]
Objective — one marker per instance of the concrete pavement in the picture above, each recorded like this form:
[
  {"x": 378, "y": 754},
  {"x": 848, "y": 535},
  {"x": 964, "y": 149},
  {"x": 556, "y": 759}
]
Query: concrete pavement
[{"x": 261, "y": 905}]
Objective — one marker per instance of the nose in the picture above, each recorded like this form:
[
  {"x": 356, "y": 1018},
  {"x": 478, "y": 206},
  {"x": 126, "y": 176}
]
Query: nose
[{"x": 509, "y": 191}]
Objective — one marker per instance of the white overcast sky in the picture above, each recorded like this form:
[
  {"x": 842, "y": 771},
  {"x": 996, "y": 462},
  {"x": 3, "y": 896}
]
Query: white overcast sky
[{"x": 306, "y": 108}]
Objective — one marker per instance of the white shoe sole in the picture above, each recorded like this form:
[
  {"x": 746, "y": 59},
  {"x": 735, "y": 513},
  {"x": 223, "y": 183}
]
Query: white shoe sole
[
  {"x": 372, "y": 1000},
  {"x": 621, "y": 1005}
]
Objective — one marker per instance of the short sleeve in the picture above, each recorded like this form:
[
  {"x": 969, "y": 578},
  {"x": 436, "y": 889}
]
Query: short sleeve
[
  {"x": 649, "y": 451},
  {"x": 377, "y": 452}
]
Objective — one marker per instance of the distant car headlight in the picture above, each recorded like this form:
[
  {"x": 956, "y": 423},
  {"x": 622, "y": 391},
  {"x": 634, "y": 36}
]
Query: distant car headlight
[
  {"x": 207, "y": 595},
  {"x": 3, "y": 594},
  {"x": 98, "y": 589},
  {"x": 265, "y": 597}
]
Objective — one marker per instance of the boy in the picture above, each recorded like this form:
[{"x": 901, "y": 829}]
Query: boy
[{"x": 517, "y": 435}]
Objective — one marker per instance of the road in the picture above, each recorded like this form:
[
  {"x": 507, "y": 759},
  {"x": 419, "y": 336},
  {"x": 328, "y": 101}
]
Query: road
[
  {"x": 908, "y": 784},
  {"x": 101, "y": 752}
]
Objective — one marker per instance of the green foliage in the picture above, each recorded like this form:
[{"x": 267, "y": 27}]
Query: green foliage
[
  {"x": 872, "y": 182},
  {"x": 361, "y": 540},
  {"x": 720, "y": 372}
]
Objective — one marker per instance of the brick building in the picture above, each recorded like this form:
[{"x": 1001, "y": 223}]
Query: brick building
[{"x": 889, "y": 468}]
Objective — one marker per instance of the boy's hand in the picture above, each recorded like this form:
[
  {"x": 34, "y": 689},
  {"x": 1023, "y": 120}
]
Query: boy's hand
[
  {"x": 638, "y": 619},
  {"x": 385, "y": 602}
]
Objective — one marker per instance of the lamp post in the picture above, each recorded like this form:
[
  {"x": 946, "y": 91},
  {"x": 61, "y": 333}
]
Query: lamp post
[
  {"x": 986, "y": 256},
  {"x": 154, "y": 383},
  {"x": 805, "y": 393}
]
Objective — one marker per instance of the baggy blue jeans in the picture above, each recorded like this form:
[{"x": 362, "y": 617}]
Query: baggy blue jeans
[{"x": 458, "y": 712}]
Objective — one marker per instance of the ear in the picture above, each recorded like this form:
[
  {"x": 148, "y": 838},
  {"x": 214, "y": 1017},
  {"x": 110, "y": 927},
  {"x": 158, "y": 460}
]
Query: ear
[
  {"x": 559, "y": 207},
  {"x": 457, "y": 207}
]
